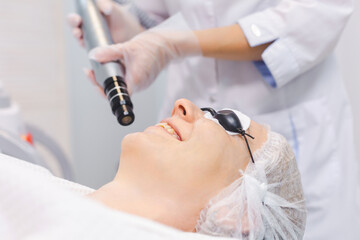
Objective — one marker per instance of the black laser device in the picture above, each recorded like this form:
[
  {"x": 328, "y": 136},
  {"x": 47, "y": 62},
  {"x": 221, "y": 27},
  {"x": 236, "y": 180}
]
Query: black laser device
[{"x": 108, "y": 75}]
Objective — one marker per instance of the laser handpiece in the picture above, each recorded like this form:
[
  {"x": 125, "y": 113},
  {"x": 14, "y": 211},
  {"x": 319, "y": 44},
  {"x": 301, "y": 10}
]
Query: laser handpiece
[{"x": 108, "y": 75}]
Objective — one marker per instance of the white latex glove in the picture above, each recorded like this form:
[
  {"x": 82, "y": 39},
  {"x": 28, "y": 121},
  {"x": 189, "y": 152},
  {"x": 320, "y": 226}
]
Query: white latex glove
[
  {"x": 122, "y": 24},
  {"x": 146, "y": 55}
]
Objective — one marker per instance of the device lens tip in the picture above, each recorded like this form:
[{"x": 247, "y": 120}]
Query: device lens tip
[{"x": 127, "y": 120}]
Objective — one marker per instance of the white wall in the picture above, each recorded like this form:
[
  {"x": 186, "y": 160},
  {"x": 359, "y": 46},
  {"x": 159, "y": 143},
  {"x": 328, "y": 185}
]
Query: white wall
[{"x": 32, "y": 63}]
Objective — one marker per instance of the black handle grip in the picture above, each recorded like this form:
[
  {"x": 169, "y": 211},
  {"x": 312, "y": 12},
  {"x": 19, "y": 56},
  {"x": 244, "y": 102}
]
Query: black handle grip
[{"x": 116, "y": 91}]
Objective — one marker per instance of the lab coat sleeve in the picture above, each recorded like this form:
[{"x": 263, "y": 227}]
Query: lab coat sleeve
[
  {"x": 303, "y": 32},
  {"x": 156, "y": 9}
]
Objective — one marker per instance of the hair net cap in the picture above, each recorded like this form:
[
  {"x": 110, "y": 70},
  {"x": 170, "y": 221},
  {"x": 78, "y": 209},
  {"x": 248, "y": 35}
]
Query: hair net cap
[{"x": 266, "y": 202}]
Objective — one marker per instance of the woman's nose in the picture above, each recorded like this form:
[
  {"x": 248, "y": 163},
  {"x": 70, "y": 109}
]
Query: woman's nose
[{"x": 186, "y": 110}]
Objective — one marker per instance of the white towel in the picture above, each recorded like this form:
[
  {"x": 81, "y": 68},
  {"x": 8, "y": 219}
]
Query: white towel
[{"x": 36, "y": 205}]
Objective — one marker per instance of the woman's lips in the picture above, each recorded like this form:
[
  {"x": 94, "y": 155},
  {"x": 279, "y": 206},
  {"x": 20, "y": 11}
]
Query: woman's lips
[{"x": 169, "y": 129}]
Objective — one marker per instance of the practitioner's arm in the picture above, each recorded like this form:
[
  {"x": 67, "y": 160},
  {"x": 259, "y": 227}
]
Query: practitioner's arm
[{"x": 228, "y": 43}]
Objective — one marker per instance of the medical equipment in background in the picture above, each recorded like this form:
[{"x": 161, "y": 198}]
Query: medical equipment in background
[
  {"x": 19, "y": 140},
  {"x": 108, "y": 75}
]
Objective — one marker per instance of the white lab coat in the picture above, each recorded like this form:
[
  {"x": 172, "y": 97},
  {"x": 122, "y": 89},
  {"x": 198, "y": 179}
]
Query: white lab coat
[{"x": 309, "y": 105}]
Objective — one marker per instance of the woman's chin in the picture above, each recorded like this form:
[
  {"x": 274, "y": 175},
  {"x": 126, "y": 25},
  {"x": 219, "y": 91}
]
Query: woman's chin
[
  {"x": 131, "y": 142},
  {"x": 142, "y": 145}
]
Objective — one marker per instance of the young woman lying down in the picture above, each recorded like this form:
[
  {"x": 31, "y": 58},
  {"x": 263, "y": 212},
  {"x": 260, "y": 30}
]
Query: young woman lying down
[{"x": 214, "y": 173}]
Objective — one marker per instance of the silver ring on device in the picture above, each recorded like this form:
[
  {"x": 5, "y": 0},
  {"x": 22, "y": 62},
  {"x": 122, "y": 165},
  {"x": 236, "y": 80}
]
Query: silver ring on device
[
  {"x": 115, "y": 88},
  {"x": 117, "y": 95}
]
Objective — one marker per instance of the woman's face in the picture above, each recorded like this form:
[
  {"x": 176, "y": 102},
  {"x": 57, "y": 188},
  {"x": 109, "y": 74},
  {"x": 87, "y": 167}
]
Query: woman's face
[{"x": 185, "y": 151}]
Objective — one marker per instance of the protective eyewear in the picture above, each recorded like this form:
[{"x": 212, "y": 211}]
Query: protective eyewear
[{"x": 231, "y": 123}]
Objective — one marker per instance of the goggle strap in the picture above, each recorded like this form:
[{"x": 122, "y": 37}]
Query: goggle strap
[
  {"x": 244, "y": 134},
  {"x": 241, "y": 131}
]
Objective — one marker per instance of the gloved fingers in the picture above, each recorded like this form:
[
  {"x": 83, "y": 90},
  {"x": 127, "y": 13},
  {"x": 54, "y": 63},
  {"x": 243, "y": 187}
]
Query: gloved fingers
[
  {"x": 144, "y": 56},
  {"x": 105, "y": 6},
  {"x": 77, "y": 33},
  {"x": 89, "y": 73},
  {"x": 130, "y": 88},
  {"x": 142, "y": 69},
  {"x": 91, "y": 76},
  {"x": 74, "y": 20},
  {"x": 132, "y": 80},
  {"x": 82, "y": 43},
  {"x": 107, "y": 53}
]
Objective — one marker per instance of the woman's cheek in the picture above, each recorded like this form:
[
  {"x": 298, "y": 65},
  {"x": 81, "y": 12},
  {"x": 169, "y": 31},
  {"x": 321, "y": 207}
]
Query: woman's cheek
[{"x": 216, "y": 139}]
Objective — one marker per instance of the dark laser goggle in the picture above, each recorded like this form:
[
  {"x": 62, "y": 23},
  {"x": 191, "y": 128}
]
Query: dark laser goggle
[{"x": 229, "y": 120}]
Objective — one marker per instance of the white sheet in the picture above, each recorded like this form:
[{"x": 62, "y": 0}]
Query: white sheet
[{"x": 36, "y": 205}]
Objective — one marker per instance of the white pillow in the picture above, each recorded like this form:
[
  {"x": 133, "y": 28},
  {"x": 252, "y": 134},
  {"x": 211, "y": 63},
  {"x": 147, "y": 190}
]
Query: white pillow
[{"x": 36, "y": 205}]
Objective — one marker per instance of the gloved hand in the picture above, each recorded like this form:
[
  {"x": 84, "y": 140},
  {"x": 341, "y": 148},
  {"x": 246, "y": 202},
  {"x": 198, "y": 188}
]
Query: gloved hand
[
  {"x": 147, "y": 54},
  {"x": 122, "y": 24}
]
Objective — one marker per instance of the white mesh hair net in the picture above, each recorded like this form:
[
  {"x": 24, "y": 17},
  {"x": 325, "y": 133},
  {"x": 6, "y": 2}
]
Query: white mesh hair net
[{"x": 267, "y": 202}]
